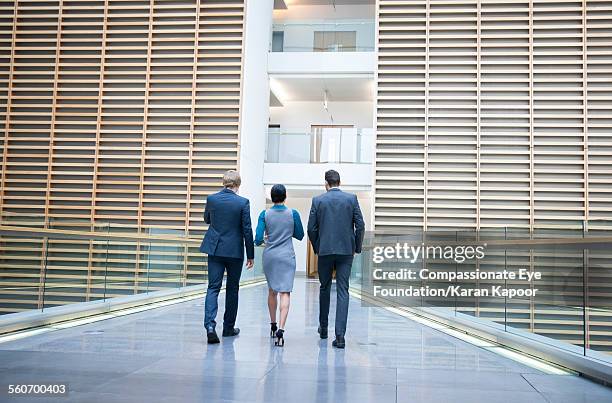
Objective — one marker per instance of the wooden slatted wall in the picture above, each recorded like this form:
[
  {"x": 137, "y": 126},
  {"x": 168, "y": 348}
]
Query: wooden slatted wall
[
  {"x": 493, "y": 114},
  {"x": 120, "y": 111}
]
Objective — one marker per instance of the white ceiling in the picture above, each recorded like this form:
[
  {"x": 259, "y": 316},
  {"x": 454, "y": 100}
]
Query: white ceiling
[
  {"x": 323, "y": 9},
  {"x": 347, "y": 89}
]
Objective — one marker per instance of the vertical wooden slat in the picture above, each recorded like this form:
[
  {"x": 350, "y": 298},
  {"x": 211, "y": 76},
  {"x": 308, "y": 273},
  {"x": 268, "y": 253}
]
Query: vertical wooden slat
[
  {"x": 147, "y": 93},
  {"x": 585, "y": 109},
  {"x": 143, "y": 154},
  {"x": 531, "y": 114},
  {"x": 9, "y": 85},
  {"x": 400, "y": 187},
  {"x": 92, "y": 268},
  {"x": 194, "y": 78},
  {"x": 598, "y": 58},
  {"x": 478, "y": 109},
  {"x": 46, "y": 262},
  {"x": 426, "y": 117}
]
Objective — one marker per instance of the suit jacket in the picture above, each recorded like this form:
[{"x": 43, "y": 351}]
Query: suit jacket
[
  {"x": 335, "y": 225},
  {"x": 230, "y": 230}
]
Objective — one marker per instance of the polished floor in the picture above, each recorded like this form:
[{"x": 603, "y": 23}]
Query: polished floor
[{"x": 160, "y": 355}]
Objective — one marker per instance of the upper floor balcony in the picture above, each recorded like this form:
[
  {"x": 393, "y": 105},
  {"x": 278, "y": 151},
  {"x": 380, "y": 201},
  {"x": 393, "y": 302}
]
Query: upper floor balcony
[
  {"x": 351, "y": 35},
  {"x": 345, "y": 145},
  {"x": 322, "y": 46},
  {"x": 300, "y": 159}
]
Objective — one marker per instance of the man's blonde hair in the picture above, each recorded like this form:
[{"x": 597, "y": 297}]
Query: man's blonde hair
[{"x": 231, "y": 179}]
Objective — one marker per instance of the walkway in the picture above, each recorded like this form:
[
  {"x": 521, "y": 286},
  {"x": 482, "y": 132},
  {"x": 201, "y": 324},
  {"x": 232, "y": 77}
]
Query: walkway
[{"x": 160, "y": 355}]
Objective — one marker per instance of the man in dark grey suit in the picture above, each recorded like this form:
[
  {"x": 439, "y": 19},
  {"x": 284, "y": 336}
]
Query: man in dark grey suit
[{"x": 335, "y": 229}]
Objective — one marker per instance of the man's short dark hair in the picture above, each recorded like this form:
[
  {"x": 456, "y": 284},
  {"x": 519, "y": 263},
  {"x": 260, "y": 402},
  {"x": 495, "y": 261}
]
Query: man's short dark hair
[
  {"x": 278, "y": 193},
  {"x": 332, "y": 178}
]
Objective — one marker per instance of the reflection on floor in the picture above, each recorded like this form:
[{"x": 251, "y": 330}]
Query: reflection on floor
[{"x": 161, "y": 356}]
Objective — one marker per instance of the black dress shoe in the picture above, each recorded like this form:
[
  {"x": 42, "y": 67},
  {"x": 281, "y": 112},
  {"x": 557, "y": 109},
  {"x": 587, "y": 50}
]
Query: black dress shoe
[
  {"x": 322, "y": 332},
  {"x": 339, "y": 342},
  {"x": 212, "y": 337},
  {"x": 231, "y": 332}
]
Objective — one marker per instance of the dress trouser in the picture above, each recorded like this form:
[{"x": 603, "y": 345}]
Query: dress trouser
[
  {"x": 216, "y": 267},
  {"x": 325, "y": 266}
]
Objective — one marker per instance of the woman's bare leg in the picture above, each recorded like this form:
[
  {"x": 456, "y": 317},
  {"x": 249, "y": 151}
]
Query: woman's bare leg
[
  {"x": 272, "y": 304},
  {"x": 285, "y": 298}
]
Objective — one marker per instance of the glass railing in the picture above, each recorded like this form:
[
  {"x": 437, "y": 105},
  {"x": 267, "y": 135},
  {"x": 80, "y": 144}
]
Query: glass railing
[
  {"x": 322, "y": 145},
  {"x": 323, "y": 36},
  {"x": 46, "y": 263},
  {"x": 571, "y": 307}
]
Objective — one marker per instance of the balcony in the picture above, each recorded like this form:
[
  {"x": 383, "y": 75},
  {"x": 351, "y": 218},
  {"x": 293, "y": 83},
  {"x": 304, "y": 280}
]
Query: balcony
[
  {"x": 323, "y": 145},
  {"x": 299, "y": 158},
  {"x": 323, "y": 36},
  {"x": 342, "y": 46}
]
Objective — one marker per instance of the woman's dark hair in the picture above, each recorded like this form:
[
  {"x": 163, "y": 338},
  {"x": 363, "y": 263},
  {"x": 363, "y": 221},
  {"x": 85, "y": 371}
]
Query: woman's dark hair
[{"x": 278, "y": 194}]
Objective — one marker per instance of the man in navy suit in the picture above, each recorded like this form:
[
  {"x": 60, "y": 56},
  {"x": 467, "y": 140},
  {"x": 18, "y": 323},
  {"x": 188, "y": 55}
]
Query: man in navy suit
[
  {"x": 336, "y": 230},
  {"x": 228, "y": 234}
]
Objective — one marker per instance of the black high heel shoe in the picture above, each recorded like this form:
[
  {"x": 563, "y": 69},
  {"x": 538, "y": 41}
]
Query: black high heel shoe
[
  {"x": 273, "y": 329},
  {"x": 280, "y": 339}
]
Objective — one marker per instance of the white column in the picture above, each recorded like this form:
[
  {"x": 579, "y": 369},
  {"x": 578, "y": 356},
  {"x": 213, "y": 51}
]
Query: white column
[{"x": 255, "y": 102}]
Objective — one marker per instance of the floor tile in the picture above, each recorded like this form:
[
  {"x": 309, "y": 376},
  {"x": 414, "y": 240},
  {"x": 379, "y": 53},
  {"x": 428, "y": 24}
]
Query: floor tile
[
  {"x": 463, "y": 380},
  {"x": 276, "y": 389},
  {"x": 433, "y": 394},
  {"x": 571, "y": 385}
]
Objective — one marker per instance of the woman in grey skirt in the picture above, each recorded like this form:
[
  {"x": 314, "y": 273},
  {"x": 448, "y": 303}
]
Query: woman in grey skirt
[{"x": 279, "y": 225}]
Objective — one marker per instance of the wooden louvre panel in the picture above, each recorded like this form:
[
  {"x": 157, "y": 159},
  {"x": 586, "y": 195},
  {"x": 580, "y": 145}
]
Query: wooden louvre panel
[
  {"x": 598, "y": 107},
  {"x": 7, "y": 18},
  {"x": 504, "y": 115},
  {"x": 19, "y": 266},
  {"x": 495, "y": 114},
  {"x": 492, "y": 113},
  {"x": 558, "y": 124},
  {"x": 113, "y": 111},
  {"x": 402, "y": 80},
  {"x": 598, "y": 129}
]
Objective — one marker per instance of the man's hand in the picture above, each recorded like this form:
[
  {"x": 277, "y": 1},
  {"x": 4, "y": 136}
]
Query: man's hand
[{"x": 249, "y": 264}]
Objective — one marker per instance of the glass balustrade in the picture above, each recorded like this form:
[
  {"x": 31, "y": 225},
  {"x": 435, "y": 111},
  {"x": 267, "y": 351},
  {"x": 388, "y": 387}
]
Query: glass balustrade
[
  {"x": 322, "y": 145},
  {"x": 324, "y": 36},
  {"x": 52, "y": 262},
  {"x": 572, "y": 308}
]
